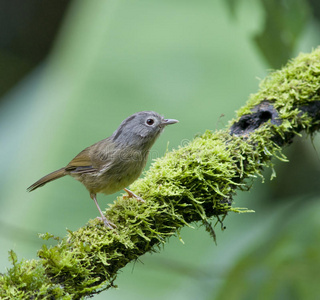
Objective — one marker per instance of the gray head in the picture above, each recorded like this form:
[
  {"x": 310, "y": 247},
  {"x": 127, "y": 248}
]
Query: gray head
[{"x": 141, "y": 129}]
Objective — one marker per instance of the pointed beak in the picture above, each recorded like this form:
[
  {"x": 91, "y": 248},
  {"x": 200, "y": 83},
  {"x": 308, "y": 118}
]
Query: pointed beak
[{"x": 169, "y": 121}]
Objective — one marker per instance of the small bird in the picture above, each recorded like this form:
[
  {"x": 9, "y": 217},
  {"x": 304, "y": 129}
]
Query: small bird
[{"x": 114, "y": 163}]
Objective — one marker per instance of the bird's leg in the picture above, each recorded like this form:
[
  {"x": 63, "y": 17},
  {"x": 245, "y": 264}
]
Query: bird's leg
[
  {"x": 133, "y": 195},
  {"x": 103, "y": 218}
]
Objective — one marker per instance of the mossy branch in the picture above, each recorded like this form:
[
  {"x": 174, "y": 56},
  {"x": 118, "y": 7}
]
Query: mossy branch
[{"x": 193, "y": 183}]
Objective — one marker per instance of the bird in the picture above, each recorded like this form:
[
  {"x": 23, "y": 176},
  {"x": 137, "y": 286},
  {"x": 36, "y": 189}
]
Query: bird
[{"x": 115, "y": 162}]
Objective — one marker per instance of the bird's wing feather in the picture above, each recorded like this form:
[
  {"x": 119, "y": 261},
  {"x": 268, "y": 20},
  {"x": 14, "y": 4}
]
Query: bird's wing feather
[
  {"x": 87, "y": 161},
  {"x": 82, "y": 163}
]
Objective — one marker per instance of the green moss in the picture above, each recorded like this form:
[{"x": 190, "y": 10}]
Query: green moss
[
  {"x": 192, "y": 183},
  {"x": 27, "y": 280},
  {"x": 294, "y": 85}
]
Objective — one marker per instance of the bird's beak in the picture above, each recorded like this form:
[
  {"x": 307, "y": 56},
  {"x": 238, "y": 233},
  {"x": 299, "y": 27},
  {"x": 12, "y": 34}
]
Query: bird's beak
[{"x": 169, "y": 121}]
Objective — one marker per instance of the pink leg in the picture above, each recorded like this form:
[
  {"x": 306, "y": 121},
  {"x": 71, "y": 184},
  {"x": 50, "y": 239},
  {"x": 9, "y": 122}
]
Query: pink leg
[{"x": 103, "y": 218}]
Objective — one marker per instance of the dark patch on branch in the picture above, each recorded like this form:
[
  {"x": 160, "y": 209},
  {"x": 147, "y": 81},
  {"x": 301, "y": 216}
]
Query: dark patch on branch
[
  {"x": 313, "y": 110},
  {"x": 261, "y": 114},
  {"x": 265, "y": 112}
]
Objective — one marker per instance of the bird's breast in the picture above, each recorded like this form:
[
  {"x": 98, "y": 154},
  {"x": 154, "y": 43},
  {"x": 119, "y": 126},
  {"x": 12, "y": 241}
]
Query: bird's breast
[{"x": 123, "y": 169}]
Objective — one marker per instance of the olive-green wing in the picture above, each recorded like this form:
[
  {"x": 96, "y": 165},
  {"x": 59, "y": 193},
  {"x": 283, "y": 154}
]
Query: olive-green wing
[
  {"x": 92, "y": 159},
  {"x": 82, "y": 163}
]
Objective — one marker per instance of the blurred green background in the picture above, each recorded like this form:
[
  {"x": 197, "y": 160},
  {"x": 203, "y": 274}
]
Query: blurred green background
[{"x": 71, "y": 71}]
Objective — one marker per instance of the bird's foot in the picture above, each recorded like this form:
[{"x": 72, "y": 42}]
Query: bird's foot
[
  {"x": 107, "y": 223},
  {"x": 133, "y": 195}
]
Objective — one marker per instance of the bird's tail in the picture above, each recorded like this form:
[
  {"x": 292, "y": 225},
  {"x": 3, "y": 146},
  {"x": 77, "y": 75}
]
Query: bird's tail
[{"x": 42, "y": 181}]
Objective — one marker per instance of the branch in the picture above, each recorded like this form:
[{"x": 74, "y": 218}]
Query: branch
[{"x": 193, "y": 183}]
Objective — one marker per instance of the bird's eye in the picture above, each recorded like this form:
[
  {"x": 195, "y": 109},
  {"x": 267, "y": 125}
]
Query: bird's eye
[{"x": 150, "y": 122}]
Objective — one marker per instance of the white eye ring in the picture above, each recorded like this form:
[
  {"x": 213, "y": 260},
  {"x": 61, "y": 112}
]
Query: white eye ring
[{"x": 150, "y": 121}]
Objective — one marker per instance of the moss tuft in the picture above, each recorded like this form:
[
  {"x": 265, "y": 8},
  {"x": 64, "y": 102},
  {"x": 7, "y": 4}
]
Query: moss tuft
[{"x": 27, "y": 280}]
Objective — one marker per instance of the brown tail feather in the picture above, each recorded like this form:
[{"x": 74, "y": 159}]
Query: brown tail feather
[{"x": 42, "y": 181}]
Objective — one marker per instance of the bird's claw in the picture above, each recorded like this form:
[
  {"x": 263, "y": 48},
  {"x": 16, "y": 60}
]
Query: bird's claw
[
  {"x": 107, "y": 223},
  {"x": 133, "y": 195}
]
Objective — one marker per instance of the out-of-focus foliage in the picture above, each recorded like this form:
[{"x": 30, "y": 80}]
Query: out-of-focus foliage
[
  {"x": 27, "y": 32},
  {"x": 284, "y": 23},
  {"x": 285, "y": 264},
  {"x": 188, "y": 60}
]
